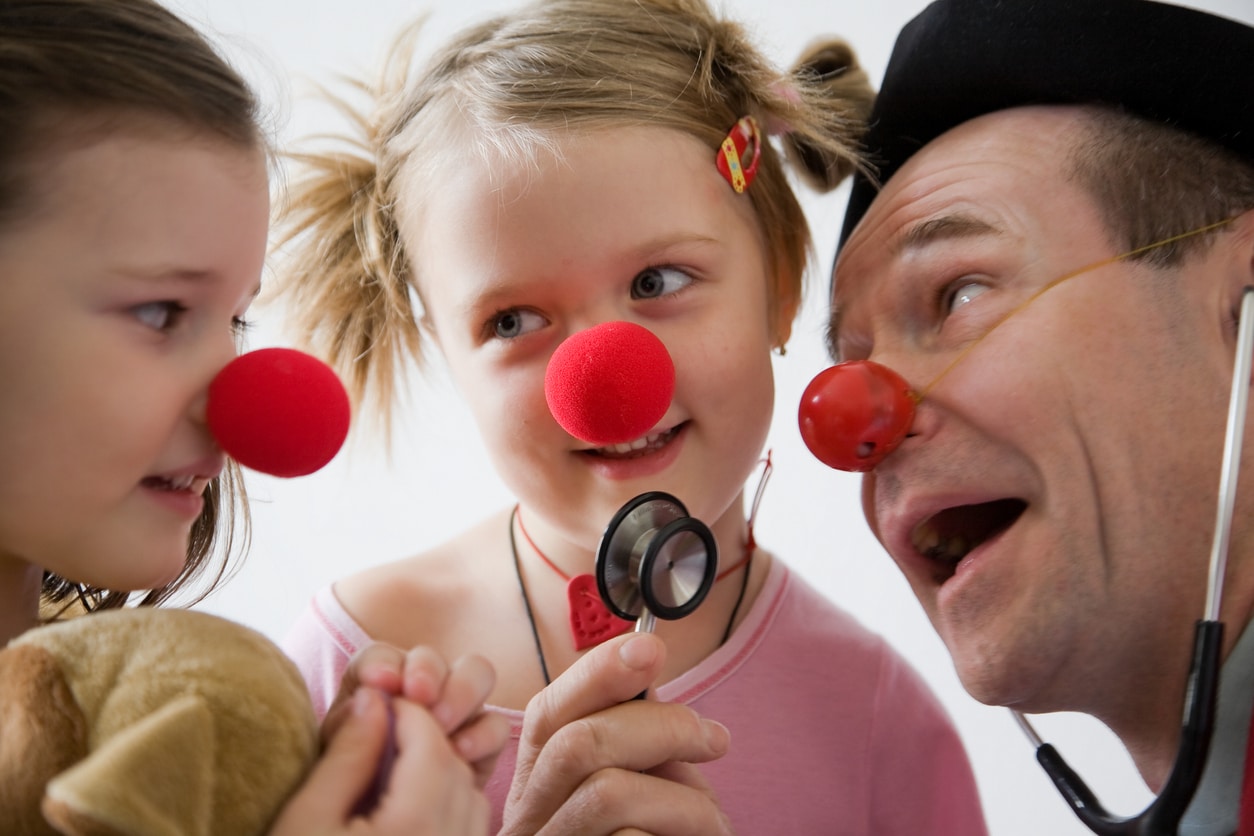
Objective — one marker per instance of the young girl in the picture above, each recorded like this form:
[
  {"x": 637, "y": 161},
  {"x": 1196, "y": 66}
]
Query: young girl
[
  {"x": 134, "y": 206},
  {"x": 550, "y": 170}
]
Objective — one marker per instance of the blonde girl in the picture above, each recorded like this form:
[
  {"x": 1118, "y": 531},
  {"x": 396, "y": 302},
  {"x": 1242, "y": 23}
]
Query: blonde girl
[{"x": 550, "y": 170}]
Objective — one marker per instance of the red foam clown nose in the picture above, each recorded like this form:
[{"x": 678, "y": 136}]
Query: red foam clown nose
[
  {"x": 852, "y": 415},
  {"x": 610, "y": 384},
  {"x": 278, "y": 411}
]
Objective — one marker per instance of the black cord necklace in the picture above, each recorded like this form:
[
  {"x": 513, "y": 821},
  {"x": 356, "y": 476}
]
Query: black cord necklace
[{"x": 535, "y": 631}]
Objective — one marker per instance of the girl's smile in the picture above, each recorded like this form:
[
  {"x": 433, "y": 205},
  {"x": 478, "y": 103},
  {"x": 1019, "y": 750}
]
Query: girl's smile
[{"x": 641, "y": 459}]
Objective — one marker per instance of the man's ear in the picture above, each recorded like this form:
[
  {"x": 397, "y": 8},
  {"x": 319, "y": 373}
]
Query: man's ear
[
  {"x": 1243, "y": 233},
  {"x": 1240, "y": 266}
]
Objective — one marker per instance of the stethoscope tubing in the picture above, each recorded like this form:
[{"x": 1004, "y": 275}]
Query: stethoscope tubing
[
  {"x": 1162, "y": 817},
  {"x": 1234, "y": 437}
]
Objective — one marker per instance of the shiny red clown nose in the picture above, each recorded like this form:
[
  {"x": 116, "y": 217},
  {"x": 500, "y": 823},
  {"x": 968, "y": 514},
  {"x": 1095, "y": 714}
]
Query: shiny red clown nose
[
  {"x": 854, "y": 414},
  {"x": 609, "y": 384},
  {"x": 278, "y": 411}
]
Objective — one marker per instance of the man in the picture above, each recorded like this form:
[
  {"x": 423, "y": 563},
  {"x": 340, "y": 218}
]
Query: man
[{"x": 1053, "y": 504}]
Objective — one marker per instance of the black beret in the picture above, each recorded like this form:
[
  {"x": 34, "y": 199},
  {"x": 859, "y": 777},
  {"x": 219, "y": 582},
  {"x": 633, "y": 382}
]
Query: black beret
[{"x": 963, "y": 58}]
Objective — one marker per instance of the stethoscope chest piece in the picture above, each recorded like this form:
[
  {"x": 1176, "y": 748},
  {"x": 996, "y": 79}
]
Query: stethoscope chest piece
[{"x": 655, "y": 560}]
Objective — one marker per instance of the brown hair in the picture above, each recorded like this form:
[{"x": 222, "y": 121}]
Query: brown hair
[
  {"x": 516, "y": 82},
  {"x": 1151, "y": 181},
  {"x": 84, "y": 65}
]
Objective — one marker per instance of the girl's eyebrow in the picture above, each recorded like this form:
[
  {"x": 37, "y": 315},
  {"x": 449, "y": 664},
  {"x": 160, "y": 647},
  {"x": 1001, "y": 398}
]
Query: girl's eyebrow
[
  {"x": 662, "y": 242},
  {"x": 163, "y": 273}
]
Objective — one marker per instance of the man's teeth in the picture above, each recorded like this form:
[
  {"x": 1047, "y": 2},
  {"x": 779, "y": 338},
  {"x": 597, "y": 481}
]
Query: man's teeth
[{"x": 931, "y": 544}]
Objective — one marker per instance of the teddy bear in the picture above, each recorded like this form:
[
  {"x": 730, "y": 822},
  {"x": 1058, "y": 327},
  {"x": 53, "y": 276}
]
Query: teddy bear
[{"x": 149, "y": 722}]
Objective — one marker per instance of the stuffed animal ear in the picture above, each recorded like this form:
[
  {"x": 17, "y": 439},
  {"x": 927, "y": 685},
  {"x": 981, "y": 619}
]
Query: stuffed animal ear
[
  {"x": 42, "y": 733},
  {"x": 154, "y": 778}
]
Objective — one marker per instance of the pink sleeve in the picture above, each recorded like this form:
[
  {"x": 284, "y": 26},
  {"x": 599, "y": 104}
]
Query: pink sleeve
[
  {"x": 321, "y": 643},
  {"x": 926, "y": 784}
]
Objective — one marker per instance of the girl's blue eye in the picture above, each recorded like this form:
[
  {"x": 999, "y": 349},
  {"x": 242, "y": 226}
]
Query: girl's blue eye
[
  {"x": 239, "y": 325},
  {"x": 159, "y": 316},
  {"x": 515, "y": 322},
  {"x": 658, "y": 281}
]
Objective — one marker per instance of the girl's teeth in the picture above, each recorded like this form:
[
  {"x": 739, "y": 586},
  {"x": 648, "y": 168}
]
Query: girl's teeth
[
  {"x": 181, "y": 483},
  {"x": 633, "y": 446}
]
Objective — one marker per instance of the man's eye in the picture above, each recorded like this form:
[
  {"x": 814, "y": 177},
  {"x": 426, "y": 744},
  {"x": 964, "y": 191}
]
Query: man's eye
[
  {"x": 159, "y": 316},
  {"x": 514, "y": 323},
  {"x": 962, "y": 292},
  {"x": 658, "y": 281}
]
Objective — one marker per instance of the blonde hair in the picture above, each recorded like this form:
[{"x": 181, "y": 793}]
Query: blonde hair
[
  {"x": 69, "y": 68},
  {"x": 517, "y": 82}
]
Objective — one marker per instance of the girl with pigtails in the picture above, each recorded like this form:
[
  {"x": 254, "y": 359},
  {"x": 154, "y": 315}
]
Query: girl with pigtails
[{"x": 548, "y": 171}]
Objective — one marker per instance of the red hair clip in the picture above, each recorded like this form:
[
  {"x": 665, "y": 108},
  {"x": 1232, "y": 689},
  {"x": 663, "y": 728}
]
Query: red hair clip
[{"x": 741, "y": 141}]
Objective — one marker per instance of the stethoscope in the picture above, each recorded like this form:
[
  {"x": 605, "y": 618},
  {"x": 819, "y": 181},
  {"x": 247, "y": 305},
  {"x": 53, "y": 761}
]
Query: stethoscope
[
  {"x": 655, "y": 561},
  {"x": 867, "y": 432}
]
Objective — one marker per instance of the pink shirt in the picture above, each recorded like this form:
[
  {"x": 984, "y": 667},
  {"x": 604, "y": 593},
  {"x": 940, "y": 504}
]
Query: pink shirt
[{"x": 832, "y": 732}]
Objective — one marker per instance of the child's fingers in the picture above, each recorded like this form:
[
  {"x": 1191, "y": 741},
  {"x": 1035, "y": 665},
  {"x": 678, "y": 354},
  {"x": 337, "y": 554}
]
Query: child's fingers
[
  {"x": 379, "y": 666},
  {"x": 434, "y": 789},
  {"x": 480, "y": 742},
  {"x": 424, "y": 676},
  {"x": 470, "y": 680},
  {"x": 342, "y": 774}
]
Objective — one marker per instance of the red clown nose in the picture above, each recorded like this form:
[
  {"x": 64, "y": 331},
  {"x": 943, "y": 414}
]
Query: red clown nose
[
  {"x": 854, "y": 414},
  {"x": 278, "y": 411},
  {"x": 609, "y": 384}
]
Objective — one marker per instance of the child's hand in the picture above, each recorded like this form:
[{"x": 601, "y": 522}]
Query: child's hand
[
  {"x": 454, "y": 694},
  {"x": 438, "y": 796},
  {"x": 589, "y": 753}
]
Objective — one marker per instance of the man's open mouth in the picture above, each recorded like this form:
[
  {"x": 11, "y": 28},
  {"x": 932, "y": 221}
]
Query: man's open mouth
[{"x": 947, "y": 537}]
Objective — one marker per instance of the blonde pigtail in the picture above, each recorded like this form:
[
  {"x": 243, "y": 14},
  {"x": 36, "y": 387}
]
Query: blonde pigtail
[
  {"x": 816, "y": 115},
  {"x": 343, "y": 271},
  {"x": 820, "y": 113}
]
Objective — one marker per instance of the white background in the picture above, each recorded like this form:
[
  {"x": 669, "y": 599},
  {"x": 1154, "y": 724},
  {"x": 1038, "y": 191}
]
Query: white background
[{"x": 371, "y": 505}]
